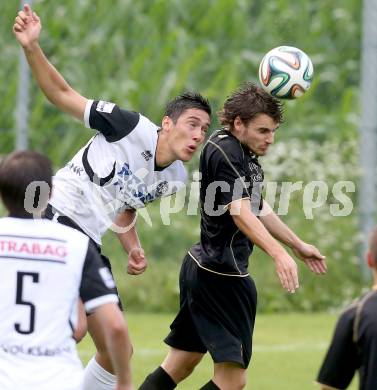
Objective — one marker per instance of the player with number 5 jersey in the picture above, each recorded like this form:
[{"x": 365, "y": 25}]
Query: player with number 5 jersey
[{"x": 45, "y": 268}]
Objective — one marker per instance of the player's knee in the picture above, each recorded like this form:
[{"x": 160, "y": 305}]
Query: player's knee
[
  {"x": 241, "y": 384},
  {"x": 180, "y": 365},
  {"x": 238, "y": 383},
  {"x": 229, "y": 377},
  {"x": 187, "y": 370},
  {"x": 188, "y": 366}
]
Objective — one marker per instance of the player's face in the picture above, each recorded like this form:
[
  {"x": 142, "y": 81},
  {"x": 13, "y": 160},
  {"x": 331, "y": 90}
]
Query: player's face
[
  {"x": 188, "y": 132},
  {"x": 258, "y": 135}
]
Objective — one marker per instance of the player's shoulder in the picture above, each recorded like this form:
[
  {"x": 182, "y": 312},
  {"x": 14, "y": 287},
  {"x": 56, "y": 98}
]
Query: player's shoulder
[
  {"x": 349, "y": 311},
  {"x": 357, "y": 305},
  {"x": 144, "y": 133},
  {"x": 223, "y": 145},
  {"x": 55, "y": 230},
  {"x": 40, "y": 228},
  {"x": 224, "y": 138}
]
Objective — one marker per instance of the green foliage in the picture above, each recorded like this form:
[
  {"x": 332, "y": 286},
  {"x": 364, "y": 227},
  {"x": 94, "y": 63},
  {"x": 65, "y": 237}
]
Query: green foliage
[{"x": 140, "y": 54}]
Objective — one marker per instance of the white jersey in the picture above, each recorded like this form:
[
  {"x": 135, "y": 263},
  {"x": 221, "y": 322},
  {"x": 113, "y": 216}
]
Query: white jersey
[
  {"x": 44, "y": 268},
  {"x": 114, "y": 171}
]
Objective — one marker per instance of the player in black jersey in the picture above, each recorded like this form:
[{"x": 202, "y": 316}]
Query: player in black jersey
[
  {"x": 130, "y": 161},
  {"x": 218, "y": 298},
  {"x": 354, "y": 343},
  {"x": 44, "y": 268}
]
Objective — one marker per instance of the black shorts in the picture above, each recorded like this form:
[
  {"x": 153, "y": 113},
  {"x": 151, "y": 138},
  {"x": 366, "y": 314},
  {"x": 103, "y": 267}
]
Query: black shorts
[
  {"x": 217, "y": 314},
  {"x": 64, "y": 220}
]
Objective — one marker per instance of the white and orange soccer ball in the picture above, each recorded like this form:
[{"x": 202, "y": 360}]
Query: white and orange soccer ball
[{"x": 286, "y": 72}]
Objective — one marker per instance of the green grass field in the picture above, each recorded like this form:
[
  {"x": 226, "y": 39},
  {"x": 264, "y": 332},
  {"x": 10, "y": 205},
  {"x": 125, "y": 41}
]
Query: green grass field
[{"x": 288, "y": 349}]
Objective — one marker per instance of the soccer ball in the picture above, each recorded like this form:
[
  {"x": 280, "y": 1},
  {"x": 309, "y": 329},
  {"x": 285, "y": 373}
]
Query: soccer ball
[{"x": 286, "y": 72}]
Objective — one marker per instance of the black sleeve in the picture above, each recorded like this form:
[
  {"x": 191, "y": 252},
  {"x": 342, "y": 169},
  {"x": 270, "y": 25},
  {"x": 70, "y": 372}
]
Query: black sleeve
[
  {"x": 226, "y": 165},
  {"x": 341, "y": 360},
  {"x": 113, "y": 122},
  {"x": 97, "y": 284}
]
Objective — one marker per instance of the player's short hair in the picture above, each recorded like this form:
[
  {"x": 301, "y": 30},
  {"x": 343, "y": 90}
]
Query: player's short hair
[
  {"x": 248, "y": 102},
  {"x": 17, "y": 171},
  {"x": 175, "y": 108},
  {"x": 373, "y": 244}
]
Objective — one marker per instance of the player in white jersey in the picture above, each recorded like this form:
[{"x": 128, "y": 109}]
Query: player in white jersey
[
  {"x": 128, "y": 163},
  {"x": 44, "y": 268}
]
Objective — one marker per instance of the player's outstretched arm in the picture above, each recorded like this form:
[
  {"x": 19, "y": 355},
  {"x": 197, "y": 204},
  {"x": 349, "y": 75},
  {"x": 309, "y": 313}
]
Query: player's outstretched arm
[
  {"x": 125, "y": 227},
  {"x": 250, "y": 225},
  {"x": 309, "y": 254},
  {"x": 110, "y": 319},
  {"x": 27, "y": 28}
]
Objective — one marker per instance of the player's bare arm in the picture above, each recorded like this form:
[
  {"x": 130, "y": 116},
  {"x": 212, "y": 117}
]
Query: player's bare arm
[
  {"x": 111, "y": 320},
  {"x": 127, "y": 235},
  {"x": 27, "y": 28},
  {"x": 309, "y": 254},
  {"x": 250, "y": 225}
]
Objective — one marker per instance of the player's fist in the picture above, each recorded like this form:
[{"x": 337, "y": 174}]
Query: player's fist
[
  {"x": 137, "y": 262},
  {"x": 27, "y": 26}
]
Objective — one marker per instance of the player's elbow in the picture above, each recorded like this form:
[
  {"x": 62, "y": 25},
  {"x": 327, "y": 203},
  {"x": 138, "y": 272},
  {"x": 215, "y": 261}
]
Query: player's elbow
[
  {"x": 117, "y": 330},
  {"x": 79, "y": 333},
  {"x": 118, "y": 334}
]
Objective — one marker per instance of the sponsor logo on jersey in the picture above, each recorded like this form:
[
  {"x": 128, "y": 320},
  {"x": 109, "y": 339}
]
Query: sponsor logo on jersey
[
  {"x": 132, "y": 190},
  {"x": 147, "y": 155},
  {"x": 34, "y": 350},
  {"x": 161, "y": 189},
  {"x": 35, "y": 248},
  {"x": 75, "y": 169},
  {"x": 107, "y": 277},
  {"x": 106, "y": 107},
  {"x": 255, "y": 172}
]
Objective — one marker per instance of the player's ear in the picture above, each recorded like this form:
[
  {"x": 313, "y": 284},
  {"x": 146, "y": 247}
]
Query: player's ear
[
  {"x": 166, "y": 123},
  {"x": 237, "y": 124},
  {"x": 370, "y": 260}
]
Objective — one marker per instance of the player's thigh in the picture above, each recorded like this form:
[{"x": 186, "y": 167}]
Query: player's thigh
[{"x": 229, "y": 376}]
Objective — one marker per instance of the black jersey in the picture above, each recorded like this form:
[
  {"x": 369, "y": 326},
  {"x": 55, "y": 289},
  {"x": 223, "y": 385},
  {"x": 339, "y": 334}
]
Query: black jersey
[
  {"x": 229, "y": 172},
  {"x": 353, "y": 347}
]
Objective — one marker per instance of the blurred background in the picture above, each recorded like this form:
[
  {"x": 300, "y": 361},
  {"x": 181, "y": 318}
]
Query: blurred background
[{"x": 140, "y": 54}]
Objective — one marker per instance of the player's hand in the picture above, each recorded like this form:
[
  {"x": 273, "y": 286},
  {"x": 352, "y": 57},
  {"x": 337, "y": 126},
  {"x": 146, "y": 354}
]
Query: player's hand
[
  {"x": 27, "y": 26},
  {"x": 137, "y": 262},
  {"x": 286, "y": 268},
  {"x": 311, "y": 256}
]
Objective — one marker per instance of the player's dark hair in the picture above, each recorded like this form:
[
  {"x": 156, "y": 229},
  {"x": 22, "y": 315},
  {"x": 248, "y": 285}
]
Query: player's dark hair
[
  {"x": 373, "y": 244},
  {"x": 248, "y": 102},
  {"x": 175, "y": 108},
  {"x": 17, "y": 171}
]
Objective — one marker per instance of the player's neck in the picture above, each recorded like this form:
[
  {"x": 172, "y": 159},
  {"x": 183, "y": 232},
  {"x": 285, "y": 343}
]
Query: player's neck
[{"x": 164, "y": 154}]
